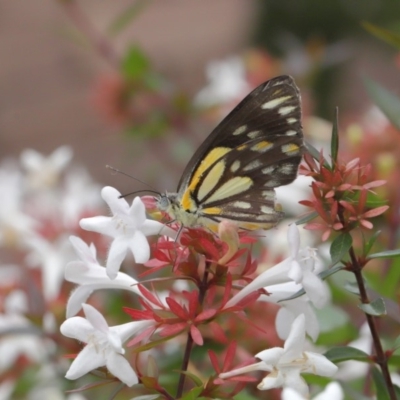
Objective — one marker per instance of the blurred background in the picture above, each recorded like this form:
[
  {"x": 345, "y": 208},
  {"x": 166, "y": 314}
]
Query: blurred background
[
  {"x": 139, "y": 84},
  {"x": 62, "y": 79}
]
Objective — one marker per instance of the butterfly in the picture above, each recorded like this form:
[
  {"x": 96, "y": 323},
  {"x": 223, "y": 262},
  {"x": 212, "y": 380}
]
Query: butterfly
[{"x": 232, "y": 175}]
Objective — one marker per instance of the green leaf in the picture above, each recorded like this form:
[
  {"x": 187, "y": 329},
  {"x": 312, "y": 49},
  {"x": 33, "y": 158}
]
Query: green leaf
[
  {"x": 385, "y": 100},
  {"x": 371, "y": 242},
  {"x": 307, "y": 218},
  {"x": 192, "y": 394},
  {"x": 345, "y": 353},
  {"x": 193, "y": 377},
  {"x": 126, "y": 17},
  {"x": 397, "y": 343},
  {"x": 335, "y": 136},
  {"x": 352, "y": 287},
  {"x": 386, "y": 254},
  {"x": 374, "y": 200},
  {"x": 394, "y": 360},
  {"x": 135, "y": 64},
  {"x": 381, "y": 389},
  {"x": 330, "y": 271},
  {"x": 390, "y": 37},
  {"x": 340, "y": 246},
  {"x": 376, "y": 308},
  {"x": 315, "y": 154}
]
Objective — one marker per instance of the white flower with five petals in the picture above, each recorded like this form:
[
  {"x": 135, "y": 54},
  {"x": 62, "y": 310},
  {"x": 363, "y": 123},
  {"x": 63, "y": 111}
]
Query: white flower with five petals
[
  {"x": 129, "y": 228},
  {"x": 300, "y": 267},
  {"x": 44, "y": 172},
  {"x": 90, "y": 276},
  {"x": 333, "y": 391},
  {"x": 103, "y": 344},
  {"x": 285, "y": 365}
]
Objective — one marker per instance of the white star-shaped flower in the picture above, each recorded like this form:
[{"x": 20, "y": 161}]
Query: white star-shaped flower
[
  {"x": 226, "y": 82},
  {"x": 290, "y": 309},
  {"x": 304, "y": 269},
  {"x": 103, "y": 344},
  {"x": 44, "y": 172},
  {"x": 91, "y": 276},
  {"x": 301, "y": 267},
  {"x": 285, "y": 365},
  {"x": 129, "y": 228},
  {"x": 333, "y": 391}
]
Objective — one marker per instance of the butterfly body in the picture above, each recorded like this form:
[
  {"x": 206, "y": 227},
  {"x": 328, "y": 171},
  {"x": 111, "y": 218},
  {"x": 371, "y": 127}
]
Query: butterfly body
[{"x": 232, "y": 175}]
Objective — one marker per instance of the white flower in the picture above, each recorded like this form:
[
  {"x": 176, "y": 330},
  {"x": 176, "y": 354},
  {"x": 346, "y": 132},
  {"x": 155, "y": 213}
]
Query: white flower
[
  {"x": 129, "y": 228},
  {"x": 272, "y": 276},
  {"x": 79, "y": 195},
  {"x": 44, "y": 172},
  {"x": 304, "y": 269},
  {"x": 91, "y": 276},
  {"x": 15, "y": 225},
  {"x": 290, "y": 309},
  {"x": 51, "y": 257},
  {"x": 350, "y": 370},
  {"x": 290, "y": 195},
  {"x": 286, "y": 364},
  {"x": 227, "y": 82},
  {"x": 18, "y": 337},
  {"x": 300, "y": 267},
  {"x": 333, "y": 391},
  {"x": 104, "y": 344}
]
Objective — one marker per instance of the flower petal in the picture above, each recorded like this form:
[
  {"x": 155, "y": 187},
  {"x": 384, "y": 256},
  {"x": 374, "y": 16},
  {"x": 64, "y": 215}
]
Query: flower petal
[
  {"x": 316, "y": 290},
  {"x": 140, "y": 247},
  {"x": 293, "y": 240},
  {"x": 95, "y": 318},
  {"x": 319, "y": 365},
  {"x": 87, "y": 360},
  {"x": 294, "y": 344},
  {"x": 77, "y": 328},
  {"x": 271, "y": 381},
  {"x": 120, "y": 367},
  {"x": 117, "y": 205},
  {"x": 116, "y": 255}
]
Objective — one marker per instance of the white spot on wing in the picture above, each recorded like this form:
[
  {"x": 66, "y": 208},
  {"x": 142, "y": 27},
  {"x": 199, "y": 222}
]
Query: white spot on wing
[
  {"x": 291, "y": 132},
  {"x": 235, "y": 166},
  {"x": 267, "y": 210},
  {"x": 268, "y": 195},
  {"x": 239, "y": 130},
  {"x": 286, "y": 169},
  {"x": 242, "y": 204},
  {"x": 270, "y": 105},
  {"x": 252, "y": 165},
  {"x": 268, "y": 170},
  {"x": 253, "y": 134},
  {"x": 272, "y": 184},
  {"x": 286, "y": 110},
  {"x": 291, "y": 120}
]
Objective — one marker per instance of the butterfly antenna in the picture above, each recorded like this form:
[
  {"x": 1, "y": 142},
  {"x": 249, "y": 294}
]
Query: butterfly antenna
[{"x": 117, "y": 171}]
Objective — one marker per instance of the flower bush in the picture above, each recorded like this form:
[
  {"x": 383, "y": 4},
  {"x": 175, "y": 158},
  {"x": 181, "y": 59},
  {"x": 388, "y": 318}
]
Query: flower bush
[{"x": 160, "y": 312}]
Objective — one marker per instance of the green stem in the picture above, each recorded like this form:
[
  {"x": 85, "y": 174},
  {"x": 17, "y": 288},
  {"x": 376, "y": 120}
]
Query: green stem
[{"x": 380, "y": 357}]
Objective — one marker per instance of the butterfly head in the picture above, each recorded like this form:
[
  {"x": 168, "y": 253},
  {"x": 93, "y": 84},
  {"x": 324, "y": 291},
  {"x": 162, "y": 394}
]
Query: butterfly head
[{"x": 170, "y": 203}]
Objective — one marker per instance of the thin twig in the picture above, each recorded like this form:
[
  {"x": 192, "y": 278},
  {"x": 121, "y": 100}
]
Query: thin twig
[
  {"x": 380, "y": 358},
  {"x": 99, "y": 42}
]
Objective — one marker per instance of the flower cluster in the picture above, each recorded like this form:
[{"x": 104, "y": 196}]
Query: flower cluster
[
  {"x": 340, "y": 195},
  {"x": 214, "y": 282}
]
